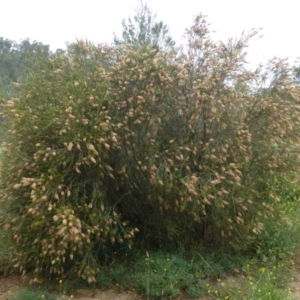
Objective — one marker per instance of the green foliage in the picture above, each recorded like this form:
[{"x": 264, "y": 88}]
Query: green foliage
[
  {"x": 160, "y": 276},
  {"x": 15, "y": 61},
  {"x": 5, "y": 257},
  {"x": 31, "y": 294},
  {"x": 116, "y": 276},
  {"x": 297, "y": 72},
  {"x": 60, "y": 217},
  {"x": 104, "y": 142},
  {"x": 204, "y": 158},
  {"x": 144, "y": 30},
  {"x": 267, "y": 284},
  {"x": 165, "y": 274},
  {"x": 7, "y": 62},
  {"x": 278, "y": 241}
]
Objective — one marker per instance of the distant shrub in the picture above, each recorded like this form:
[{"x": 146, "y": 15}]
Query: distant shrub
[{"x": 104, "y": 142}]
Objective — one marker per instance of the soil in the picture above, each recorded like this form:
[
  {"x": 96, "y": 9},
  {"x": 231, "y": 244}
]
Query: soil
[
  {"x": 295, "y": 286},
  {"x": 295, "y": 280}
]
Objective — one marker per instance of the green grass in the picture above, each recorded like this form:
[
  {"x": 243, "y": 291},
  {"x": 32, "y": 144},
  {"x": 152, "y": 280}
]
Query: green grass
[
  {"x": 165, "y": 275},
  {"x": 31, "y": 294},
  {"x": 162, "y": 275}
]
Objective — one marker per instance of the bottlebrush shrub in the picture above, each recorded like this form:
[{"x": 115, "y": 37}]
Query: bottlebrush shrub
[
  {"x": 55, "y": 167},
  {"x": 200, "y": 139},
  {"x": 181, "y": 146}
]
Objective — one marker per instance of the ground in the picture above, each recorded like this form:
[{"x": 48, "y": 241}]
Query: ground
[
  {"x": 10, "y": 284},
  {"x": 295, "y": 282}
]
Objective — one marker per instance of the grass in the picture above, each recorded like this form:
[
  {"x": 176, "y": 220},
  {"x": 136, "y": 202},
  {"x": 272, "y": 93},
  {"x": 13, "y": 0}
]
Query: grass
[
  {"x": 163, "y": 275},
  {"x": 31, "y": 294},
  {"x": 37, "y": 293}
]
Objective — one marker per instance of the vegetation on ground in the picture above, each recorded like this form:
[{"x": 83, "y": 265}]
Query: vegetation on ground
[{"x": 152, "y": 168}]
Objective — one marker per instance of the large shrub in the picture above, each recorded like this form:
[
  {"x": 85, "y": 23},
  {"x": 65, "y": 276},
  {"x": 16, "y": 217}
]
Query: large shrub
[
  {"x": 201, "y": 140},
  {"x": 55, "y": 167},
  {"x": 104, "y": 142}
]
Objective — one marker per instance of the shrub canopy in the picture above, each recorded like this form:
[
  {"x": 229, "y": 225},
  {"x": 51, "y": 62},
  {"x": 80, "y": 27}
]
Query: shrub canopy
[{"x": 105, "y": 142}]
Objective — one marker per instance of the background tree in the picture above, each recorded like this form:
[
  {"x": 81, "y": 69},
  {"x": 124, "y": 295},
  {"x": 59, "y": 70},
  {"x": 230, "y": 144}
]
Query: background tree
[
  {"x": 16, "y": 60},
  {"x": 145, "y": 30},
  {"x": 9, "y": 64},
  {"x": 297, "y": 73}
]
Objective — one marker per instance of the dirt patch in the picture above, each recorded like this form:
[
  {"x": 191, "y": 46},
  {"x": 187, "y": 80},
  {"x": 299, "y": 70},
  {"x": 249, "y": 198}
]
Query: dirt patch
[
  {"x": 295, "y": 285},
  {"x": 105, "y": 295},
  {"x": 9, "y": 285}
]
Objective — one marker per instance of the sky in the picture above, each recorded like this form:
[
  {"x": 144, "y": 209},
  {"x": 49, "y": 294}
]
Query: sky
[{"x": 56, "y": 22}]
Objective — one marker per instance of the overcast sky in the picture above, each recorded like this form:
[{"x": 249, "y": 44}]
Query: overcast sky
[{"x": 56, "y": 22}]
